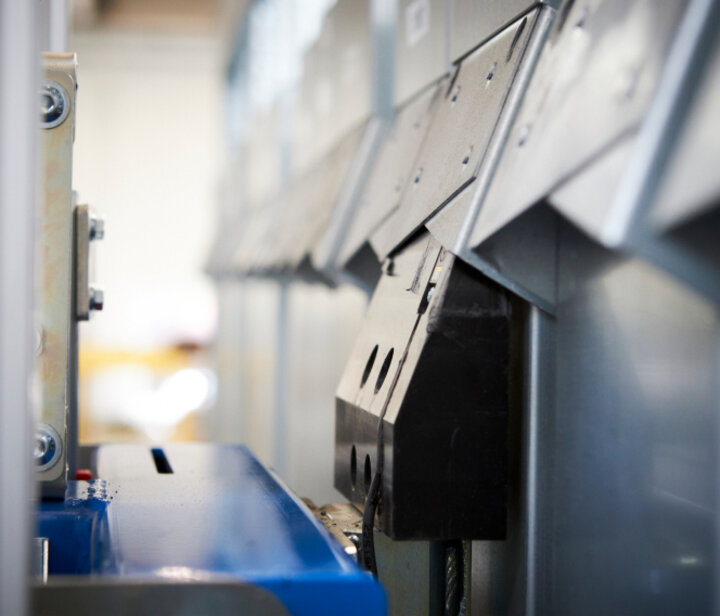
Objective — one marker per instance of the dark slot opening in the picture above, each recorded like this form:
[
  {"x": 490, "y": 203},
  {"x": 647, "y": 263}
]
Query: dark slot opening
[{"x": 161, "y": 462}]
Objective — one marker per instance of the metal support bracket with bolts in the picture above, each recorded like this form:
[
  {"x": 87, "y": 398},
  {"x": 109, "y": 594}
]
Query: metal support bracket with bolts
[{"x": 88, "y": 227}]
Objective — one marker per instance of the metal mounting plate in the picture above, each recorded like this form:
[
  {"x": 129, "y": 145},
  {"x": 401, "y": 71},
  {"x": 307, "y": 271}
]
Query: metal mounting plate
[
  {"x": 57, "y": 367},
  {"x": 283, "y": 232},
  {"x": 392, "y": 168},
  {"x": 473, "y": 21},
  {"x": 420, "y": 46},
  {"x": 459, "y": 133},
  {"x": 593, "y": 84}
]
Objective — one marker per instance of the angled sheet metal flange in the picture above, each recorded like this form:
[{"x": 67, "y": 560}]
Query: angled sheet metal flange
[
  {"x": 420, "y": 47},
  {"x": 593, "y": 198},
  {"x": 459, "y": 134},
  {"x": 475, "y": 21},
  {"x": 524, "y": 261},
  {"x": 334, "y": 92},
  {"x": 690, "y": 186},
  {"x": 603, "y": 60},
  {"x": 325, "y": 254},
  {"x": 391, "y": 169},
  {"x": 586, "y": 197},
  {"x": 646, "y": 193},
  {"x": 656, "y": 211},
  {"x": 593, "y": 85},
  {"x": 280, "y": 234}
]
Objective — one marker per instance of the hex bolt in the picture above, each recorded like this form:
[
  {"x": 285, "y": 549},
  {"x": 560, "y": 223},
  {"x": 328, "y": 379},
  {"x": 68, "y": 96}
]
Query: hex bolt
[
  {"x": 54, "y": 104},
  {"x": 97, "y": 228},
  {"x": 97, "y": 298}
]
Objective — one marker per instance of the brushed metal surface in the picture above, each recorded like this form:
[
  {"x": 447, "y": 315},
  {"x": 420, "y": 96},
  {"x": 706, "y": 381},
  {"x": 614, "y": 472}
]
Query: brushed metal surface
[
  {"x": 473, "y": 21},
  {"x": 334, "y": 93},
  {"x": 282, "y": 232},
  {"x": 616, "y": 505},
  {"x": 459, "y": 134},
  {"x": 420, "y": 46},
  {"x": 635, "y": 472},
  {"x": 392, "y": 168},
  {"x": 691, "y": 184},
  {"x": 593, "y": 84}
]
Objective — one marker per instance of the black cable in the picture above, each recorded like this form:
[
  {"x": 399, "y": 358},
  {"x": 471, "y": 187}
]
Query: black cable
[
  {"x": 368, "y": 522},
  {"x": 372, "y": 499}
]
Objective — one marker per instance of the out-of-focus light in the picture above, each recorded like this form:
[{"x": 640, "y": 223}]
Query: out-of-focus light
[
  {"x": 187, "y": 390},
  {"x": 187, "y": 574},
  {"x": 156, "y": 411}
]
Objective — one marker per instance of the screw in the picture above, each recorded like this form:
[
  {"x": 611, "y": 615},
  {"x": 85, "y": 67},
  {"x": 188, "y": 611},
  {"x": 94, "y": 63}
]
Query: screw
[
  {"x": 491, "y": 74},
  {"x": 54, "y": 105},
  {"x": 97, "y": 298},
  {"x": 97, "y": 228},
  {"x": 43, "y": 445},
  {"x": 47, "y": 448},
  {"x": 524, "y": 135}
]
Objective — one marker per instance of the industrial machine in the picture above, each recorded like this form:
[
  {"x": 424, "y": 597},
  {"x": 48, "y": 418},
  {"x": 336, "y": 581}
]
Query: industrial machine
[
  {"x": 119, "y": 527},
  {"x": 528, "y": 420}
]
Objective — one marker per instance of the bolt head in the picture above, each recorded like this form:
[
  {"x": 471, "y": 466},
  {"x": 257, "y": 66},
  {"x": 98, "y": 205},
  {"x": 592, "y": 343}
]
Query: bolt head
[
  {"x": 97, "y": 228},
  {"x": 48, "y": 447},
  {"x": 97, "y": 299},
  {"x": 54, "y": 104}
]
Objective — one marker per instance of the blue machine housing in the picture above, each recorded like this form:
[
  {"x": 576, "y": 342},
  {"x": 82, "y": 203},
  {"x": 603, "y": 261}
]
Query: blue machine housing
[{"x": 197, "y": 512}]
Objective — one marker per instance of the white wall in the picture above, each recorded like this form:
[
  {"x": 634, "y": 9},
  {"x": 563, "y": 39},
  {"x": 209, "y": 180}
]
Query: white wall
[{"x": 147, "y": 149}]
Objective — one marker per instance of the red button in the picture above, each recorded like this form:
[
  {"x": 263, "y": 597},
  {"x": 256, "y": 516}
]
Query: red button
[{"x": 83, "y": 474}]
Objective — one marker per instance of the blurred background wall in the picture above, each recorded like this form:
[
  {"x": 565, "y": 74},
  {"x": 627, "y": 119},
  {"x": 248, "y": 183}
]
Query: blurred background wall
[
  {"x": 171, "y": 96},
  {"x": 146, "y": 154}
]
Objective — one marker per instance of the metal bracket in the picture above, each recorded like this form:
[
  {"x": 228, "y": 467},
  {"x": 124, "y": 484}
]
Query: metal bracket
[
  {"x": 88, "y": 227},
  {"x": 57, "y": 359}
]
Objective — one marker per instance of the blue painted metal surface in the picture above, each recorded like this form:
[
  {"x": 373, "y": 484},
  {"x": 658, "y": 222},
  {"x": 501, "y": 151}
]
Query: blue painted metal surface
[
  {"x": 219, "y": 513},
  {"x": 77, "y": 528}
]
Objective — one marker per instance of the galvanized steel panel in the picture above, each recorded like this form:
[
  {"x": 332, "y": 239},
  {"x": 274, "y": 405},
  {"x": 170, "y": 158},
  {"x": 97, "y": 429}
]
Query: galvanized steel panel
[
  {"x": 460, "y": 132},
  {"x": 420, "y": 46},
  {"x": 593, "y": 84}
]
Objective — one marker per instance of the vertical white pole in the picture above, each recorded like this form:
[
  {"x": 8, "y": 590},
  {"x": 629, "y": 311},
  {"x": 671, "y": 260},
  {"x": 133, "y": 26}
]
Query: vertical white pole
[{"x": 18, "y": 135}]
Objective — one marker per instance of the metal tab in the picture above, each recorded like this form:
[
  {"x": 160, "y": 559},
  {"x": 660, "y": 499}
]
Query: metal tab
[
  {"x": 82, "y": 262},
  {"x": 459, "y": 134},
  {"x": 475, "y": 21},
  {"x": 392, "y": 168},
  {"x": 334, "y": 94},
  {"x": 420, "y": 46},
  {"x": 281, "y": 234},
  {"x": 593, "y": 84}
]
